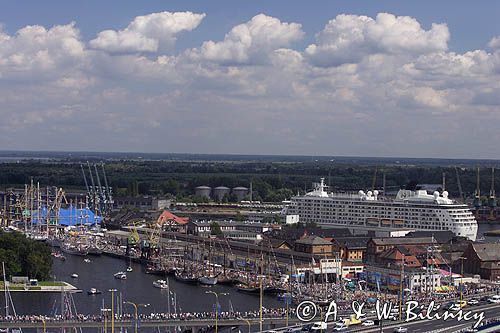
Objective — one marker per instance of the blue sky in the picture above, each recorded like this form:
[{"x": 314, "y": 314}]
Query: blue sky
[{"x": 373, "y": 78}]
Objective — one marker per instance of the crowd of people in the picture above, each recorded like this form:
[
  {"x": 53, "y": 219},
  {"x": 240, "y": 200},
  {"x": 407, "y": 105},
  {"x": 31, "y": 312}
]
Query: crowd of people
[{"x": 155, "y": 316}]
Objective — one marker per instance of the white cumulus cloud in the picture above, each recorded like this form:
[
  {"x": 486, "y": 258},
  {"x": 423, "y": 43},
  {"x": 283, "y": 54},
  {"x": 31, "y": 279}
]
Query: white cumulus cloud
[
  {"x": 147, "y": 33},
  {"x": 250, "y": 42},
  {"x": 495, "y": 43},
  {"x": 349, "y": 38},
  {"x": 35, "y": 51}
]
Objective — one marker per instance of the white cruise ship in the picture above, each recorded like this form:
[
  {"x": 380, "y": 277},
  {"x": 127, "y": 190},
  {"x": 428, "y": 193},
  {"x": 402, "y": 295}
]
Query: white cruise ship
[{"x": 410, "y": 210}]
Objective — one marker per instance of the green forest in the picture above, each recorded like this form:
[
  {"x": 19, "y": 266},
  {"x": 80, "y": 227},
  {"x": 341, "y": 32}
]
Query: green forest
[
  {"x": 271, "y": 181},
  {"x": 24, "y": 257}
]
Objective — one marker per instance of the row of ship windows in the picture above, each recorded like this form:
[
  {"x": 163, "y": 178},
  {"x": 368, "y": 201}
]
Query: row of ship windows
[
  {"x": 361, "y": 213},
  {"x": 372, "y": 211},
  {"x": 364, "y": 207},
  {"x": 313, "y": 218}
]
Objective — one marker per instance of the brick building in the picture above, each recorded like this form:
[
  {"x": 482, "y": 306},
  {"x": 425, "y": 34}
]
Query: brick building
[
  {"x": 314, "y": 245},
  {"x": 482, "y": 259}
]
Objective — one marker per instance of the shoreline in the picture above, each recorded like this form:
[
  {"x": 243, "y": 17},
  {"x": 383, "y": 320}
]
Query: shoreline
[{"x": 63, "y": 286}]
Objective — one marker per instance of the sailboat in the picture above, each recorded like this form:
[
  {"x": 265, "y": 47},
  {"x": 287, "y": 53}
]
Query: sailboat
[
  {"x": 8, "y": 298},
  {"x": 210, "y": 279},
  {"x": 224, "y": 278},
  {"x": 184, "y": 276},
  {"x": 248, "y": 287}
]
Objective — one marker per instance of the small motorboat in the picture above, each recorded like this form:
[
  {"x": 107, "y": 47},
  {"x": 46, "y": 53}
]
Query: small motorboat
[
  {"x": 120, "y": 275},
  {"x": 74, "y": 276},
  {"x": 247, "y": 289},
  {"x": 86, "y": 260},
  {"x": 58, "y": 255},
  {"x": 162, "y": 284},
  {"x": 186, "y": 278},
  {"x": 129, "y": 269},
  {"x": 154, "y": 270},
  {"x": 208, "y": 280},
  {"x": 94, "y": 291}
]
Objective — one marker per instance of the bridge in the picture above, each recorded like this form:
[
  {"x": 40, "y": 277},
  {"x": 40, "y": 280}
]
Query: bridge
[{"x": 191, "y": 323}]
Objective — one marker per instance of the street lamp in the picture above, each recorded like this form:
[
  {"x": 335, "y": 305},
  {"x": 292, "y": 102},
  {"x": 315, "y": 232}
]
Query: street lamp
[
  {"x": 216, "y": 307},
  {"x": 260, "y": 277},
  {"x": 461, "y": 279},
  {"x": 112, "y": 309},
  {"x": 401, "y": 287},
  {"x": 136, "y": 316},
  {"x": 247, "y": 321}
]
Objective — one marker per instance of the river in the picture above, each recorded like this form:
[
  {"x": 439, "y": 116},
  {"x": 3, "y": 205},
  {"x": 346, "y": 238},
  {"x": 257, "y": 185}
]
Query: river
[{"x": 137, "y": 288}]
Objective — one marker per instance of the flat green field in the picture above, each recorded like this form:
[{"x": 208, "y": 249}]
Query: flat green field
[{"x": 51, "y": 283}]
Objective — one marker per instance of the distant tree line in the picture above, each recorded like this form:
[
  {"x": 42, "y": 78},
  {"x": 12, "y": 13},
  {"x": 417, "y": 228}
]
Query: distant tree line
[{"x": 271, "y": 181}]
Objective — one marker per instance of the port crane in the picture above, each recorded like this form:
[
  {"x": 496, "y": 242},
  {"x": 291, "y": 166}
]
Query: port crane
[
  {"x": 492, "y": 200},
  {"x": 477, "y": 196},
  {"x": 99, "y": 196},
  {"x": 460, "y": 191}
]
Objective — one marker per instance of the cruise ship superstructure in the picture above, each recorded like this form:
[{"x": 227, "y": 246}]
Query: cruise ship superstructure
[{"x": 410, "y": 210}]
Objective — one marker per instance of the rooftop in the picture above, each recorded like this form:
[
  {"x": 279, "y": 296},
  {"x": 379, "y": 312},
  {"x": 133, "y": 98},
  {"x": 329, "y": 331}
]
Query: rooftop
[
  {"x": 402, "y": 240},
  {"x": 313, "y": 240},
  {"x": 487, "y": 251},
  {"x": 168, "y": 216},
  {"x": 352, "y": 242}
]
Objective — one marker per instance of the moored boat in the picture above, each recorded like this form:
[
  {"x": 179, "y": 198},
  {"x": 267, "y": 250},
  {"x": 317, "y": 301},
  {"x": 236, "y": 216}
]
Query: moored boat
[
  {"x": 208, "y": 280},
  {"x": 154, "y": 270},
  {"x": 186, "y": 278},
  {"x": 225, "y": 280},
  {"x": 94, "y": 291},
  {"x": 94, "y": 250},
  {"x": 162, "y": 284},
  {"x": 74, "y": 249},
  {"x": 248, "y": 289},
  {"x": 273, "y": 290}
]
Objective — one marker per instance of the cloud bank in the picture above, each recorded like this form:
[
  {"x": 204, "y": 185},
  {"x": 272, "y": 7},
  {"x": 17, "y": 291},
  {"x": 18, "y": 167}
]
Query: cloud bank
[
  {"x": 148, "y": 33},
  {"x": 379, "y": 86}
]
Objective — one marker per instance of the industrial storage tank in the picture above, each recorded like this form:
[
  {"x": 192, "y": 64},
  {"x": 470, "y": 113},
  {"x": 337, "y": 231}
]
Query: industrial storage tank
[
  {"x": 220, "y": 192},
  {"x": 203, "y": 191},
  {"x": 240, "y": 192}
]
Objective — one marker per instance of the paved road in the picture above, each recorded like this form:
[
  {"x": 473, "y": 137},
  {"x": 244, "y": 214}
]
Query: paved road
[{"x": 425, "y": 326}]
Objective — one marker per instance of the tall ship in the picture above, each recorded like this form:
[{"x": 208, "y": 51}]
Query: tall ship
[{"x": 409, "y": 210}]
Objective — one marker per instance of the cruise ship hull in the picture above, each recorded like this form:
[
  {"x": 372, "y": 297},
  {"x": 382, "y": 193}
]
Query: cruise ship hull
[{"x": 409, "y": 211}]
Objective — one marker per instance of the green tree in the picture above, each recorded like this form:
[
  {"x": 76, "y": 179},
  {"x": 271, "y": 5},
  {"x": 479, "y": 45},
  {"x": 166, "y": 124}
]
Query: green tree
[
  {"x": 215, "y": 229},
  {"x": 23, "y": 256}
]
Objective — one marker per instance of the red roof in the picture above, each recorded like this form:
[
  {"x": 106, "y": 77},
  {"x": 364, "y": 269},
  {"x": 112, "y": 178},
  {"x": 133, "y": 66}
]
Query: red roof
[{"x": 168, "y": 216}]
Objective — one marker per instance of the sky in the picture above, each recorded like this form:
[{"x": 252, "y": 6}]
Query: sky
[{"x": 352, "y": 78}]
